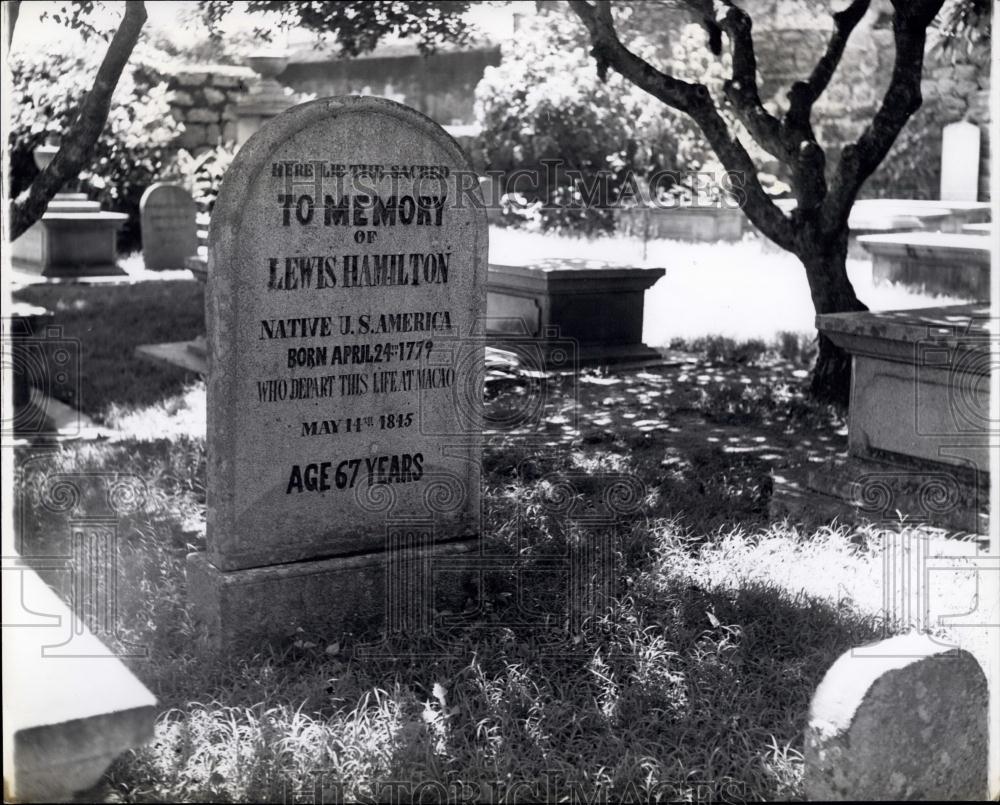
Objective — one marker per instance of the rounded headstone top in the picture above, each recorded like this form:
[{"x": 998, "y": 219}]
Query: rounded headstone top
[{"x": 261, "y": 149}]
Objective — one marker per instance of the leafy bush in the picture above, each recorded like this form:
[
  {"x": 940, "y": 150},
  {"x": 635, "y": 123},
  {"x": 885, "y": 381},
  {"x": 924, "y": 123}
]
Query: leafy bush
[
  {"x": 48, "y": 89},
  {"x": 544, "y": 105},
  {"x": 202, "y": 175}
]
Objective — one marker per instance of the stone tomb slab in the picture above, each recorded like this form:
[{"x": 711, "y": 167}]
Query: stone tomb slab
[
  {"x": 169, "y": 233},
  {"x": 705, "y": 224},
  {"x": 937, "y": 262},
  {"x": 69, "y": 713},
  {"x": 346, "y": 282},
  {"x": 921, "y": 382},
  {"x": 597, "y": 306},
  {"x": 919, "y": 427}
]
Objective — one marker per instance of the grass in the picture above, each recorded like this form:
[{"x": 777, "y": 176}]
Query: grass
[
  {"x": 693, "y": 683},
  {"x": 106, "y": 323},
  {"x": 690, "y": 682}
]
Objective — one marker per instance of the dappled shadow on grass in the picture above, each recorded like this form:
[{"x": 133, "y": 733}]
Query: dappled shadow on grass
[
  {"x": 108, "y": 322},
  {"x": 703, "y": 434},
  {"x": 679, "y": 688},
  {"x": 670, "y": 684},
  {"x": 679, "y": 691}
]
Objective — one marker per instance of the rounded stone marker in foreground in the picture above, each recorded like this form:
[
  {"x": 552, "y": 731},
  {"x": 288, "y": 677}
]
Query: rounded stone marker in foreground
[{"x": 904, "y": 719}]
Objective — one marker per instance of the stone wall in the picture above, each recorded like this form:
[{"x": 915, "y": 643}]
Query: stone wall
[
  {"x": 790, "y": 35},
  {"x": 203, "y": 97}
]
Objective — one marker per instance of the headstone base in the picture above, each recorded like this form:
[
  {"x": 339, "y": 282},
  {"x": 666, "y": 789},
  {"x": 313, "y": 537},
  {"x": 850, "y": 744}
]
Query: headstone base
[
  {"x": 392, "y": 591},
  {"x": 856, "y": 490}
]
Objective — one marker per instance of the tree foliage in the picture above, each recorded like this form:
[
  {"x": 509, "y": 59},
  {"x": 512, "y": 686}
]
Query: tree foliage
[
  {"x": 131, "y": 149},
  {"x": 81, "y": 136},
  {"x": 543, "y": 111},
  {"x": 965, "y": 23},
  {"x": 357, "y": 25}
]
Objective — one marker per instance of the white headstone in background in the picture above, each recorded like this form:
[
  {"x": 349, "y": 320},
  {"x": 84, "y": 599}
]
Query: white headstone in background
[{"x": 960, "y": 162}]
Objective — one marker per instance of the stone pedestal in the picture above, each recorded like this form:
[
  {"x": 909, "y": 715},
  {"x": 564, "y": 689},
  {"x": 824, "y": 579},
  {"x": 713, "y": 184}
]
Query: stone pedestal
[
  {"x": 936, "y": 262},
  {"x": 595, "y": 307},
  {"x": 73, "y": 238},
  {"x": 919, "y": 427},
  {"x": 265, "y": 99}
]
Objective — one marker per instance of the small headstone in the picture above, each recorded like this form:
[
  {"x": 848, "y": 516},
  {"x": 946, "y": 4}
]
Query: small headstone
[
  {"x": 960, "y": 161},
  {"x": 904, "y": 719},
  {"x": 169, "y": 236},
  {"x": 347, "y": 275}
]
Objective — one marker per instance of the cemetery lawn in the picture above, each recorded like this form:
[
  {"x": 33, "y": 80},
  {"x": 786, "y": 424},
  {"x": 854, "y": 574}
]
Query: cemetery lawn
[
  {"x": 696, "y": 682},
  {"x": 106, "y": 322}
]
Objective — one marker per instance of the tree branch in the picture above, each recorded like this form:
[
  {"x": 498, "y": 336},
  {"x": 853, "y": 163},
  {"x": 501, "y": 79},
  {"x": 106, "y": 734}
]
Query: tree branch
[
  {"x": 902, "y": 98},
  {"x": 13, "y": 8},
  {"x": 804, "y": 94},
  {"x": 78, "y": 142},
  {"x": 692, "y": 99},
  {"x": 742, "y": 90}
]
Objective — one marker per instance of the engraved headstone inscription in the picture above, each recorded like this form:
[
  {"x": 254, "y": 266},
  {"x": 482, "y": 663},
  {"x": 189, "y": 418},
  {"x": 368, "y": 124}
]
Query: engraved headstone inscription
[
  {"x": 347, "y": 280},
  {"x": 169, "y": 235}
]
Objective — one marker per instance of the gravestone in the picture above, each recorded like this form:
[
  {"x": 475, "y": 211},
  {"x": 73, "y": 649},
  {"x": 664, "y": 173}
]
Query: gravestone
[
  {"x": 169, "y": 236},
  {"x": 960, "y": 161},
  {"x": 347, "y": 277},
  {"x": 902, "y": 719}
]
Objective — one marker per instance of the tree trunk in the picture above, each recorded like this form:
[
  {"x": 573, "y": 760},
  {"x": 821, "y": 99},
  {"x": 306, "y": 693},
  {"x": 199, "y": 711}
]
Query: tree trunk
[{"x": 825, "y": 261}]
